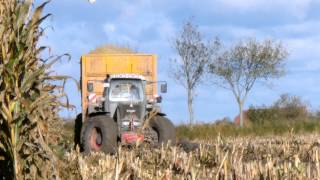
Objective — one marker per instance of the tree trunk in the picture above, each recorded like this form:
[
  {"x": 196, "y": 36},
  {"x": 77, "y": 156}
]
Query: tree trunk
[
  {"x": 190, "y": 106},
  {"x": 241, "y": 114}
]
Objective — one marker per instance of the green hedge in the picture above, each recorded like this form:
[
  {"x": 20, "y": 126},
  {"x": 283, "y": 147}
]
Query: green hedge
[{"x": 280, "y": 127}]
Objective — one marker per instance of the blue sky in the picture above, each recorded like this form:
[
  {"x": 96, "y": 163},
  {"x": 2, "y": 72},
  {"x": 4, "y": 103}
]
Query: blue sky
[{"x": 148, "y": 26}]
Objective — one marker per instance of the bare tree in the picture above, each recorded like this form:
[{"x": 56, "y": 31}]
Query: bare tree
[
  {"x": 245, "y": 63},
  {"x": 189, "y": 68}
]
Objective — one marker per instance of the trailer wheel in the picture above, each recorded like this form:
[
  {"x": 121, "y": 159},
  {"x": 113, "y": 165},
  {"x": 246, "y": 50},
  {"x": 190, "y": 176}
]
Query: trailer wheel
[
  {"x": 98, "y": 134},
  {"x": 165, "y": 130}
]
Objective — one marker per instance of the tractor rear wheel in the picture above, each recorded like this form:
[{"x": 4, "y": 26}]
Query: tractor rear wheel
[
  {"x": 98, "y": 134},
  {"x": 165, "y": 130}
]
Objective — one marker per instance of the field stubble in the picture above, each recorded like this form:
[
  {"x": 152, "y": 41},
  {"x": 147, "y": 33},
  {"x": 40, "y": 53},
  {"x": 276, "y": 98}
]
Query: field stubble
[{"x": 272, "y": 157}]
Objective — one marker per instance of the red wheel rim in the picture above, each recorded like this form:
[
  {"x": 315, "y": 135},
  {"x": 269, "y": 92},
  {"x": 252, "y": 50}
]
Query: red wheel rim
[{"x": 96, "y": 139}]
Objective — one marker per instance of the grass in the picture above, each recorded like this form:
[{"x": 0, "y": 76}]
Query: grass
[{"x": 209, "y": 131}]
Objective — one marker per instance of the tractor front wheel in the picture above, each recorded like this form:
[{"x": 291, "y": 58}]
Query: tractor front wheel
[
  {"x": 165, "y": 130},
  {"x": 99, "y": 133}
]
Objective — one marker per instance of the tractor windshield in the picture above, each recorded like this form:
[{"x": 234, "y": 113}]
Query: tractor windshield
[{"x": 126, "y": 90}]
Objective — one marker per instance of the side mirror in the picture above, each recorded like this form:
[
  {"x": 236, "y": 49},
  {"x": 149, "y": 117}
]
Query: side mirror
[
  {"x": 163, "y": 88},
  {"x": 90, "y": 87},
  {"x": 159, "y": 99},
  {"x": 106, "y": 84}
]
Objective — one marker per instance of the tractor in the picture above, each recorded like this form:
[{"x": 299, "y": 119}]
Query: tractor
[{"x": 120, "y": 103}]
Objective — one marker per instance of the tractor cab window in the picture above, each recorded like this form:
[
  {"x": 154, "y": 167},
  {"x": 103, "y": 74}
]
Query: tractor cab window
[{"x": 126, "y": 90}]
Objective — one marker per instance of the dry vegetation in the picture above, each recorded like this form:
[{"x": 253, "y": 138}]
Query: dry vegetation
[
  {"x": 112, "y": 49},
  {"x": 30, "y": 97},
  {"x": 34, "y": 145},
  {"x": 271, "y": 157}
]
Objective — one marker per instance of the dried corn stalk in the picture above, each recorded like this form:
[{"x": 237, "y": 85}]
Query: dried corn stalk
[{"x": 29, "y": 101}]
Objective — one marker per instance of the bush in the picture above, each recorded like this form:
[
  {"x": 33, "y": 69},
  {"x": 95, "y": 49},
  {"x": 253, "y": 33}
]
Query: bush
[
  {"x": 291, "y": 107},
  {"x": 287, "y": 108},
  {"x": 211, "y": 131}
]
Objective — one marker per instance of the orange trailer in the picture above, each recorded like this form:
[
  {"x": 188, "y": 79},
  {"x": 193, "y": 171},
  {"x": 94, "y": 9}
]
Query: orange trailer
[{"x": 95, "y": 68}]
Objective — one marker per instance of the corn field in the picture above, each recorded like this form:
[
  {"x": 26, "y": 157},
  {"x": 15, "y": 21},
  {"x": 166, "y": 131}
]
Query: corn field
[
  {"x": 271, "y": 157},
  {"x": 29, "y": 96}
]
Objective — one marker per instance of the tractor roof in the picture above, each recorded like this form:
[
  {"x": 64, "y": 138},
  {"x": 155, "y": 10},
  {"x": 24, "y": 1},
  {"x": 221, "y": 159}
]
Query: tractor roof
[{"x": 127, "y": 76}]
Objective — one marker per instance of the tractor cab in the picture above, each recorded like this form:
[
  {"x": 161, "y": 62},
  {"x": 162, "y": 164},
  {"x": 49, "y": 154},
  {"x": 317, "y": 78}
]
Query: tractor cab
[
  {"x": 125, "y": 100},
  {"x": 126, "y": 88}
]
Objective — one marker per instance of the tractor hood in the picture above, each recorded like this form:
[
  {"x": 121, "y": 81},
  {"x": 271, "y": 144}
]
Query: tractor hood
[{"x": 129, "y": 111}]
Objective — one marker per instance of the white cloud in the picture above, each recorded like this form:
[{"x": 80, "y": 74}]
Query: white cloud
[
  {"x": 297, "y": 8},
  {"x": 241, "y": 4},
  {"x": 301, "y": 39},
  {"x": 144, "y": 28},
  {"x": 109, "y": 28},
  {"x": 307, "y": 28},
  {"x": 232, "y": 32},
  {"x": 304, "y": 54}
]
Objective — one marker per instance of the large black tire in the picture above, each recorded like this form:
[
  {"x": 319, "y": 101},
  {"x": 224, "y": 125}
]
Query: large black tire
[
  {"x": 77, "y": 130},
  {"x": 165, "y": 130},
  {"x": 99, "y": 133}
]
